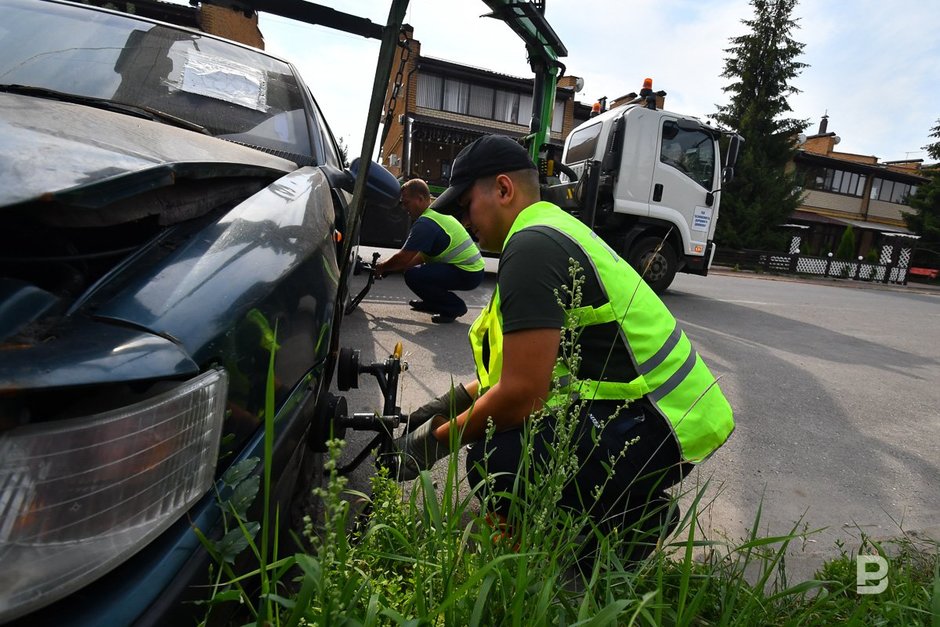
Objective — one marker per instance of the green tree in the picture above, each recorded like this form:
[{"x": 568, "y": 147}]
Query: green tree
[
  {"x": 343, "y": 152},
  {"x": 934, "y": 149},
  {"x": 925, "y": 219},
  {"x": 761, "y": 66},
  {"x": 846, "y": 249}
]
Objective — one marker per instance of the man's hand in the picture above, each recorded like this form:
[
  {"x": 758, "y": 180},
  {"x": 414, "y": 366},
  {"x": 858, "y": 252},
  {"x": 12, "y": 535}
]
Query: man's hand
[
  {"x": 399, "y": 262},
  {"x": 419, "y": 450},
  {"x": 458, "y": 400}
]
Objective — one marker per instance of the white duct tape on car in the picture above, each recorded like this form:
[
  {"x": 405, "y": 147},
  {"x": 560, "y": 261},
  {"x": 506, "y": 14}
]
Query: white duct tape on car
[{"x": 224, "y": 80}]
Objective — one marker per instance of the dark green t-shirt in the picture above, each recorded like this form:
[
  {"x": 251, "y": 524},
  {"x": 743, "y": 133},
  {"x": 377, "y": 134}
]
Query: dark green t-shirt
[{"x": 533, "y": 266}]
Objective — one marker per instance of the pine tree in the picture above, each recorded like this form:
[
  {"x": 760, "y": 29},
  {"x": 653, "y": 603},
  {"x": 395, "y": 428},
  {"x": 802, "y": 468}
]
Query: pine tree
[
  {"x": 934, "y": 149},
  {"x": 764, "y": 191},
  {"x": 925, "y": 220},
  {"x": 343, "y": 152}
]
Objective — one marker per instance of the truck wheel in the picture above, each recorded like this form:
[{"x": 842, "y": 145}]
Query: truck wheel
[{"x": 655, "y": 260}]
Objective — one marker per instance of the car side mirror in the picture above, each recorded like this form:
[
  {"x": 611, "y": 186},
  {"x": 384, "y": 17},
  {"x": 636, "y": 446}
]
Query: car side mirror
[{"x": 382, "y": 188}]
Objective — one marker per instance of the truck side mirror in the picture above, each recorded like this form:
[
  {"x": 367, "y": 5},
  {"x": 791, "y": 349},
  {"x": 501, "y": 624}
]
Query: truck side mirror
[
  {"x": 731, "y": 158},
  {"x": 614, "y": 149},
  {"x": 734, "y": 149}
]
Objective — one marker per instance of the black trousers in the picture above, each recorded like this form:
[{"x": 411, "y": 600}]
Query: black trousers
[
  {"x": 640, "y": 477},
  {"x": 434, "y": 283}
]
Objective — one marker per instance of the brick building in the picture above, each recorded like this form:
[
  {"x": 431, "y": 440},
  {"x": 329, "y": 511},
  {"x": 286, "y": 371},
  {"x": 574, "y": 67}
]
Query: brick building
[
  {"x": 843, "y": 189},
  {"x": 240, "y": 26},
  {"x": 442, "y": 106}
]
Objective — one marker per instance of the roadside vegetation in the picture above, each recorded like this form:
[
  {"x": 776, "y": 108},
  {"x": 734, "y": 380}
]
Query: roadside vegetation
[{"x": 427, "y": 554}]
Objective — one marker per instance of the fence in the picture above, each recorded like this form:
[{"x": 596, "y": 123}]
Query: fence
[{"x": 891, "y": 267}]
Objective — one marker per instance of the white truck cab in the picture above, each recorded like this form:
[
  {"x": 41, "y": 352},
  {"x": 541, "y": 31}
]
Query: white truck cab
[{"x": 648, "y": 181}]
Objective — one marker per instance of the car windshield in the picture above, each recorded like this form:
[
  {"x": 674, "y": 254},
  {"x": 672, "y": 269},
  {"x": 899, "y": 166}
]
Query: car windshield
[{"x": 233, "y": 92}]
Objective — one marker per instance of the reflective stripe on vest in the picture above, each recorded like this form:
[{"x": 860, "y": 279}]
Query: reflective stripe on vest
[
  {"x": 670, "y": 373},
  {"x": 460, "y": 251}
]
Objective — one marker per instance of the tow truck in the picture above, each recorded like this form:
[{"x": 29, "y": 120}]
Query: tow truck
[{"x": 646, "y": 180}]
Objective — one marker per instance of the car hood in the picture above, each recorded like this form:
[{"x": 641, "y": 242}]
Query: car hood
[
  {"x": 60, "y": 151},
  {"x": 90, "y": 352}
]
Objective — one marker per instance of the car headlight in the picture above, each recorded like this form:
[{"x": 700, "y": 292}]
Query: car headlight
[{"x": 78, "y": 497}]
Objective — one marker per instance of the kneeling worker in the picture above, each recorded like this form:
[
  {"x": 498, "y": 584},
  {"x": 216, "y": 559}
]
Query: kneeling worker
[
  {"x": 437, "y": 258},
  {"x": 640, "y": 380}
]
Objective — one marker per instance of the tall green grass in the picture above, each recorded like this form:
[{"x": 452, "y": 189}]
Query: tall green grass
[{"x": 428, "y": 554}]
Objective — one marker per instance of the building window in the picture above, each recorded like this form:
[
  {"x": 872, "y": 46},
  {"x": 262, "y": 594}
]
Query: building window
[
  {"x": 849, "y": 183},
  {"x": 481, "y": 101},
  {"x": 430, "y": 91},
  {"x": 892, "y": 191},
  {"x": 456, "y": 96},
  {"x": 558, "y": 116},
  {"x": 507, "y": 106},
  {"x": 525, "y": 109},
  {"x": 502, "y": 105},
  {"x": 836, "y": 181}
]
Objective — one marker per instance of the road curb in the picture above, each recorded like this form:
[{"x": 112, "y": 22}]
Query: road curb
[{"x": 910, "y": 288}]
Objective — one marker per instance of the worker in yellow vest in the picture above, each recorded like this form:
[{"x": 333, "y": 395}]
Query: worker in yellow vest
[
  {"x": 437, "y": 258},
  {"x": 632, "y": 353}
]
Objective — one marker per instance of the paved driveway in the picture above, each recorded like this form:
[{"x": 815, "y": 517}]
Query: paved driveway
[{"x": 835, "y": 390}]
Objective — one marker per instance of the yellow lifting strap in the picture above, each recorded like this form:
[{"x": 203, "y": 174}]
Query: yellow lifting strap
[
  {"x": 588, "y": 316},
  {"x": 605, "y": 390}
]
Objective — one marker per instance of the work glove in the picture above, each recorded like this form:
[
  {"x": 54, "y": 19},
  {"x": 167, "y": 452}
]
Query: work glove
[
  {"x": 418, "y": 450},
  {"x": 457, "y": 399}
]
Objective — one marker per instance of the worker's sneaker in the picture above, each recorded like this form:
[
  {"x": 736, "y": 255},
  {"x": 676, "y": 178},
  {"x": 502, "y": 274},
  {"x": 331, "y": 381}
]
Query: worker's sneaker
[
  {"x": 442, "y": 319},
  {"x": 420, "y": 305}
]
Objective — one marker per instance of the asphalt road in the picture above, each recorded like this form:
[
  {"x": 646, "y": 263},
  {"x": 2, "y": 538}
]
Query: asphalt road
[{"x": 835, "y": 390}]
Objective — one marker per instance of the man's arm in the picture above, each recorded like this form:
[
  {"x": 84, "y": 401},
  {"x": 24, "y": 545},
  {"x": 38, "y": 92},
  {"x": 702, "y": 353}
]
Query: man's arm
[
  {"x": 416, "y": 248},
  {"x": 528, "y": 360},
  {"x": 400, "y": 261}
]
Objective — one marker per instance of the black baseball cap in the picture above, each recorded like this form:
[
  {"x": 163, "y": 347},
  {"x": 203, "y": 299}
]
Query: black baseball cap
[{"x": 486, "y": 156}]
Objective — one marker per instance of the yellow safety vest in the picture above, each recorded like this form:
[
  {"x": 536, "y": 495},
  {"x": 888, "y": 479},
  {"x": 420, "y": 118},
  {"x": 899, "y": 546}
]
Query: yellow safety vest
[
  {"x": 461, "y": 251},
  {"x": 671, "y": 374}
]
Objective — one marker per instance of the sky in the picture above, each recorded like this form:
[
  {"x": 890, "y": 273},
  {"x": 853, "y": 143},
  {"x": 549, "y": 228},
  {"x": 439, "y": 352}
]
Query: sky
[{"x": 874, "y": 65}]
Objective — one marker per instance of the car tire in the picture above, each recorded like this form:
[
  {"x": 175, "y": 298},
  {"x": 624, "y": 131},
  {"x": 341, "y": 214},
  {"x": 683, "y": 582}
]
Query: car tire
[{"x": 655, "y": 261}]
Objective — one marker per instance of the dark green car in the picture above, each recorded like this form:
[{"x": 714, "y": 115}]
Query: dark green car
[{"x": 170, "y": 206}]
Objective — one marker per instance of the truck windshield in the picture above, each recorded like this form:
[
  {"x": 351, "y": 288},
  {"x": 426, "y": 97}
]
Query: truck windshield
[
  {"x": 232, "y": 91},
  {"x": 690, "y": 152}
]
